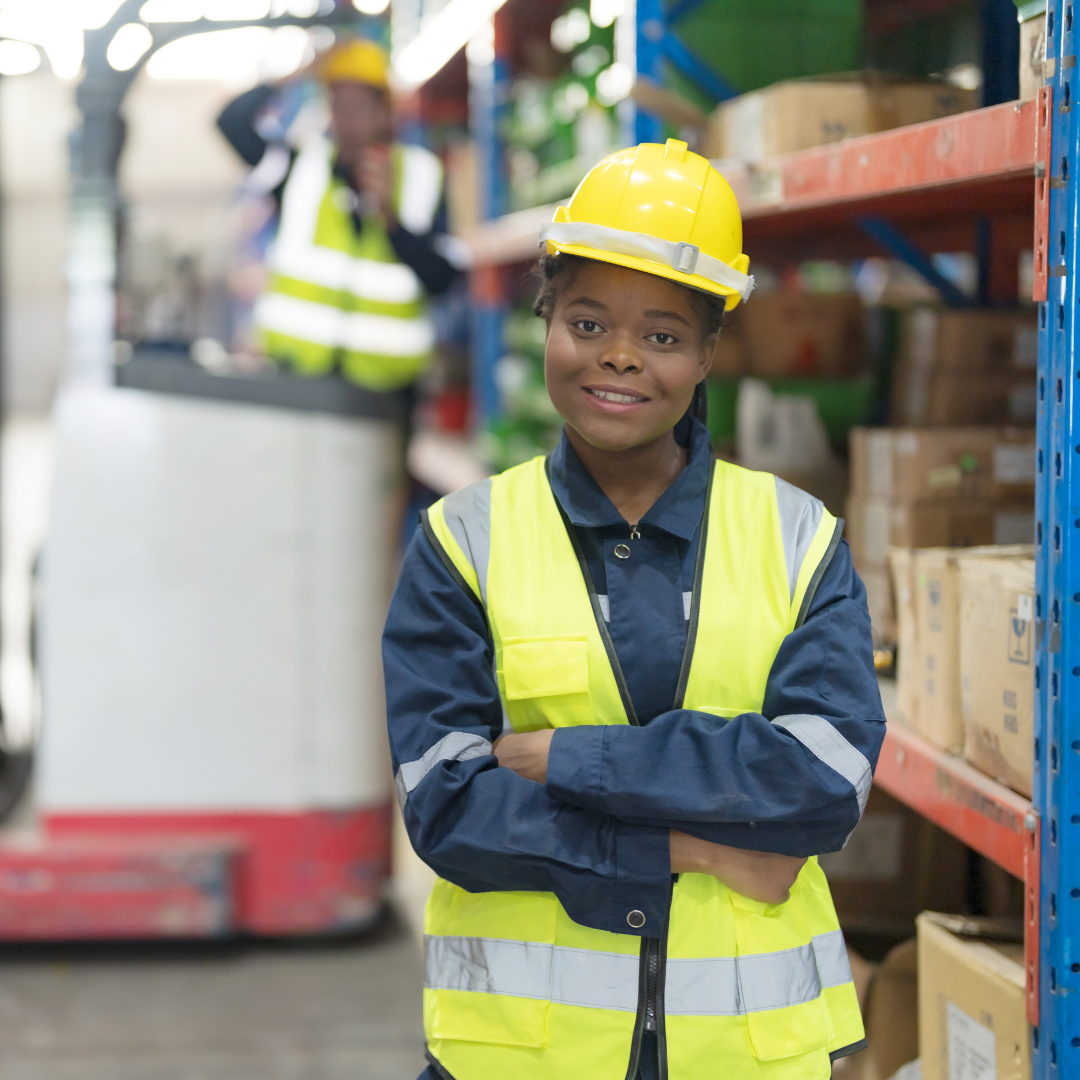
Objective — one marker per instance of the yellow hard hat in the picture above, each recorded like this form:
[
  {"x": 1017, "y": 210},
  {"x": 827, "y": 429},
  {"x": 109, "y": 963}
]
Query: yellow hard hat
[
  {"x": 359, "y": 61},
  {"x": 660, "y": 209}
]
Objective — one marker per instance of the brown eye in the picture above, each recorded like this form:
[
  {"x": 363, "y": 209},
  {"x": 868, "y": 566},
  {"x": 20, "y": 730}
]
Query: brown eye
[
  {"x": 662, "y": 338},
  {"x": 588, "y": 326}
]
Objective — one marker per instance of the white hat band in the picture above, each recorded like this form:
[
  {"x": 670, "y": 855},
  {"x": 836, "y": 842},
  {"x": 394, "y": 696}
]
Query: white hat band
[{"x": 686, "y": 258}]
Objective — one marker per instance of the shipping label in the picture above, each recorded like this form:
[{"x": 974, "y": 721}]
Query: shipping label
[{"x": 972, "y": 1054}]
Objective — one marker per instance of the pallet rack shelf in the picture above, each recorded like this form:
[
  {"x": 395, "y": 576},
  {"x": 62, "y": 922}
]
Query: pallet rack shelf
[{"x": 985, "y": 181}]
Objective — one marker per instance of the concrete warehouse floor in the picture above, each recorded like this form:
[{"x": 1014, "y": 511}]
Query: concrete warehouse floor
[{"x": 326, "y": 1010}]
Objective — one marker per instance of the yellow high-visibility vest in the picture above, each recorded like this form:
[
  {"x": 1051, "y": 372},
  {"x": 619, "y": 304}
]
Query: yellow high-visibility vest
[
  {"x": 335, "y": 297},
  {"x": 514, "y": 988}
]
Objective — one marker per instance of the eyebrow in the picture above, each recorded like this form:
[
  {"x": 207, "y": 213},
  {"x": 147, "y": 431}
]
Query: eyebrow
[
  {"x": 655, "y": 314},
  {"x": 589, "y": 302}
]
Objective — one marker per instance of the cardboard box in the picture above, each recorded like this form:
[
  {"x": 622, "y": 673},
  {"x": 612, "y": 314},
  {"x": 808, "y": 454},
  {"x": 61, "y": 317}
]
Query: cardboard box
[
  {"x": 892, "y": 1014},
  {"x": 801, "y": 113},
  {"x": 935, "y": 673},
  {"x": 970, "y": 339},
  {"x": 1032, "y": 55},
  {"x": 997, "y": 664},
  {"x": 894, "y": 865},
  {"x": 972, "y": 1020},
  {"x": 873, "y": 525},
  {"x": 730, "y": 360},
  {"x": 905, "y": 464},
  {"x": 796, "y": 334},
  {"x": 879, "y": 602},
  {"x": 901, "y": 568}
]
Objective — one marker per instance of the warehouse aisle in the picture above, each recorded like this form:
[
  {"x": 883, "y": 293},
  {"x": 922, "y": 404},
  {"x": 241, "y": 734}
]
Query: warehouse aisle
[{"x": 214, "y": 1011}]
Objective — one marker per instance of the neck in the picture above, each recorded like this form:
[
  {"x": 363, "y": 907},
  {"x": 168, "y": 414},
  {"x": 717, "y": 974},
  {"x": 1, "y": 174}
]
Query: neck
[{"x": 633, "y": 479}]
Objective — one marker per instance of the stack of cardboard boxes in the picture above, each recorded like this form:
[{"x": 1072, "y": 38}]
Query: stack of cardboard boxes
[
  {"x": 934, "y": 487},
  {"x": 966, "y": 366},
  {"x": 965, "y": 664}
]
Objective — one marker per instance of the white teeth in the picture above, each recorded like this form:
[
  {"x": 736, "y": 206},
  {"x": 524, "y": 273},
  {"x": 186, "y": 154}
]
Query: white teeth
[{"x": 621, "y": 399}]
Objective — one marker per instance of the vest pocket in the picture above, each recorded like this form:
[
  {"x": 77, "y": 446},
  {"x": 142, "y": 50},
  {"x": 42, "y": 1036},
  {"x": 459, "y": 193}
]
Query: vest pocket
[
  {"x": 779, "y": 986},
  {"x": 545, "y": 681}
]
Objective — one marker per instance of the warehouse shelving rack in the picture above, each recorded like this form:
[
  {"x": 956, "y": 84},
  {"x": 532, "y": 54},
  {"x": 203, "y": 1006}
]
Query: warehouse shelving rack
[{"x": 986, "y": 181}]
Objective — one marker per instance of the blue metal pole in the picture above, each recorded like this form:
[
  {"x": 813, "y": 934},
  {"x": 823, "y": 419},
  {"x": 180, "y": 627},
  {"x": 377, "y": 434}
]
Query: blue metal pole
[
  {"x": 489, "y": 90},
  {"x": 650, "y": 63},
  {"x": 1056, "y": 1041}
]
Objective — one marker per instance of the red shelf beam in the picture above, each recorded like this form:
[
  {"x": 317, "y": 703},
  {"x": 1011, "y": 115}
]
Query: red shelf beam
[{"x": 980, "y": 812}]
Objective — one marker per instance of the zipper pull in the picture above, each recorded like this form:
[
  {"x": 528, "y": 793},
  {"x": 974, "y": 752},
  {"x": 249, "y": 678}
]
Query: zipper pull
[{"x": 634, "y": 534}]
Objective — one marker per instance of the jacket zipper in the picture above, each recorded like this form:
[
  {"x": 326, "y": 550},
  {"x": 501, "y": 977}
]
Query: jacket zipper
[{"x": 652, "y": 973}]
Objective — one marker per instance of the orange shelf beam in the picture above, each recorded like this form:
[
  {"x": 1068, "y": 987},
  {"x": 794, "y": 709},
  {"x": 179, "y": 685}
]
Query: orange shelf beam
[{"x": 977, "y": 810}]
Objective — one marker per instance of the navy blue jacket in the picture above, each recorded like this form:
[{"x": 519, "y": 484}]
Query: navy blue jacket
[{"x": 597, "y": 834}]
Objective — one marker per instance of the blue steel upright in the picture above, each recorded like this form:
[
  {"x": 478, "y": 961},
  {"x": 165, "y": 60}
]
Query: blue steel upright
[
  {"x": 489, "y": 95},
  {"x": 1056, "y": 1041}
]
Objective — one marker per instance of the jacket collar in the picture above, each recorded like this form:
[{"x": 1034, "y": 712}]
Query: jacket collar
[{"x": 678, "y": 511}]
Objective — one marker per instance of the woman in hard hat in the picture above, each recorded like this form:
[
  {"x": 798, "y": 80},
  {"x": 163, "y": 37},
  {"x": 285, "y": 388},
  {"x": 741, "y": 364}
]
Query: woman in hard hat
[
  {"x": 631, "y": 694},
  {"x": 355, "y": 253}
]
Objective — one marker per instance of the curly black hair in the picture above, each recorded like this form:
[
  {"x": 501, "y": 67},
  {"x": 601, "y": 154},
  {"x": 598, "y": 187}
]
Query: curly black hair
[{"x": 553, "y": 272}]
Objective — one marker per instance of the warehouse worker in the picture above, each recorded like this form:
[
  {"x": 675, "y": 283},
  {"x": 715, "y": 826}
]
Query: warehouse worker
[
  {"x": 354, "y": 253},
  {"x": 631, "y": 695}
]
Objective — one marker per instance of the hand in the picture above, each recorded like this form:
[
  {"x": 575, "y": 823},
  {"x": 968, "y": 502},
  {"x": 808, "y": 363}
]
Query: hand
[
  {"x": 526, "y": 754},
  {"x": 375, "y": 179},
  {"x": 758, "y": 875}
]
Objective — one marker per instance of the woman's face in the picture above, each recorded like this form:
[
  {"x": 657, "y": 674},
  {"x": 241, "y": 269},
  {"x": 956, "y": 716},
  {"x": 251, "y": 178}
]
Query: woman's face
[{"x": 624, "y": 352}]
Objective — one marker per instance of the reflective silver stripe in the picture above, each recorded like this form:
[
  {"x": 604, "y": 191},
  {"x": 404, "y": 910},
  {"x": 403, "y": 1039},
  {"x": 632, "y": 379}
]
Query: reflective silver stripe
[
  {"x": 384, "y": 335},
  {"x": 827, "y": 744},
  {"x": 595, "y": 980},
  {"x": 687, "y": 604},
  {"x": 833, "y": 966},
  {"x": 605, "y": 606},
  {"x": 718, "y": 986},
  {"x": 457, "y": 746},
  {"x": 800, "y": 516},
  {"x": 467, "y": 513},
  {"x": 683, "y": 257},
  {"x": 421, "y": 187},
  {"x": 303, "y": 193},
  {"x": 384, "y": 282}
]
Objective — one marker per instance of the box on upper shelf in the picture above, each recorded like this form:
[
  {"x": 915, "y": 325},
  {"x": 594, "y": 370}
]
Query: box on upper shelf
[
  {"x": 799, "y": 334},
  {"x": 997, "y": 666},
  {"x": 801, "y": 113},
  {"x": 966, "y": 366},
  {"x": 905, "y": 464},
  {"x": 972, "y": 1005}
]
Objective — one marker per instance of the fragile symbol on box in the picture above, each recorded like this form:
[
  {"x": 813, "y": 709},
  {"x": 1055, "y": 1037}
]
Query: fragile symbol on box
[{"x": 1020, "y": 631}]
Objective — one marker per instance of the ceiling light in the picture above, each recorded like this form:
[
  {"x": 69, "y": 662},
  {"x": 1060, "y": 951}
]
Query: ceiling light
[
  {"x": 236, "y": 10},
  {"x": 233, "y": 56},
  {"x": 171, "y": 11},
  {"x": 128, "y": 45},
  {"x": 18, "y": 58},
  {"x": 371, "y": 7},
  {"x": 440, "y": 38}
]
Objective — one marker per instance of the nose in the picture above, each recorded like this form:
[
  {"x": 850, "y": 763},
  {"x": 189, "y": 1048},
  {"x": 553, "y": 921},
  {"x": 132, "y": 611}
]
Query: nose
[{"x": 621, "y": 357}]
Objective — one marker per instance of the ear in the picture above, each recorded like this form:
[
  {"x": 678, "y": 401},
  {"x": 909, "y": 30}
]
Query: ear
[{"x": 708, "y": 351}]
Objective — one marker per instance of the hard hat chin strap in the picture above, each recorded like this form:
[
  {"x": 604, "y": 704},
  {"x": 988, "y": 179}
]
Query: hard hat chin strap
[{"x": 686, "y": 258}]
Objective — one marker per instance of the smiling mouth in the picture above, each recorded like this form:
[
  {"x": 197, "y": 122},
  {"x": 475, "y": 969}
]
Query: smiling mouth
[{"x": 618, "y": 399}]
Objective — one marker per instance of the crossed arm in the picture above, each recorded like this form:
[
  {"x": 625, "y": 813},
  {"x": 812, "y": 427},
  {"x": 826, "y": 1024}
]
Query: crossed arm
[{"x": 602, "y": 816}]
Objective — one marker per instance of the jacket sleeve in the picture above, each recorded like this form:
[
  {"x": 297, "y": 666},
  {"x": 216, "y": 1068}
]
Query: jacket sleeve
[
  {"x": 237, "y": 123},
  {"x": 792, "y": 779},
  {"x": 479, "y": 826}
]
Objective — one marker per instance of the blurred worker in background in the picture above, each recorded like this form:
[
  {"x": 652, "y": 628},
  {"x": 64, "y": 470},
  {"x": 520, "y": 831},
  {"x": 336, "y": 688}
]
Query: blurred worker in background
[{"x": 355, "y": 251}]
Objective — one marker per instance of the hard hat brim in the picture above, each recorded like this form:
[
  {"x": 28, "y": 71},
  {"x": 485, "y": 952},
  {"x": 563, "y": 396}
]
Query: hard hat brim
[{"x": 647, "y": 266}]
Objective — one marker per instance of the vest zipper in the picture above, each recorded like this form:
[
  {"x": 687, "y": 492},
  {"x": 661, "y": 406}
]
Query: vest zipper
[{"x": 652, "y": 973}]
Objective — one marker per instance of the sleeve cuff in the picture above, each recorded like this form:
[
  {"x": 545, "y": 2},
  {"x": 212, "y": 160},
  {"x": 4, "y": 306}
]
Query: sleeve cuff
[
  {"x": 575, "y": 765},
  {"x": 641, "y": 897}
]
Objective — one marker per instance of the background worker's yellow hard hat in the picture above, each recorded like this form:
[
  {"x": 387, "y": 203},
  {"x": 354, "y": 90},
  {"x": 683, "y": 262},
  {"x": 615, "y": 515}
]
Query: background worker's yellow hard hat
[
  {"x": 662, "y": 210},
  {"x": 359, "y": 61}
]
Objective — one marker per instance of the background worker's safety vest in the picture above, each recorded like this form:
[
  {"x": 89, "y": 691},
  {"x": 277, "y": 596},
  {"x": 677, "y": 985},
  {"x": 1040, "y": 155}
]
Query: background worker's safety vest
[
  {"x": 740, "y": 989},
  {"x": 335, "y": 297}
]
